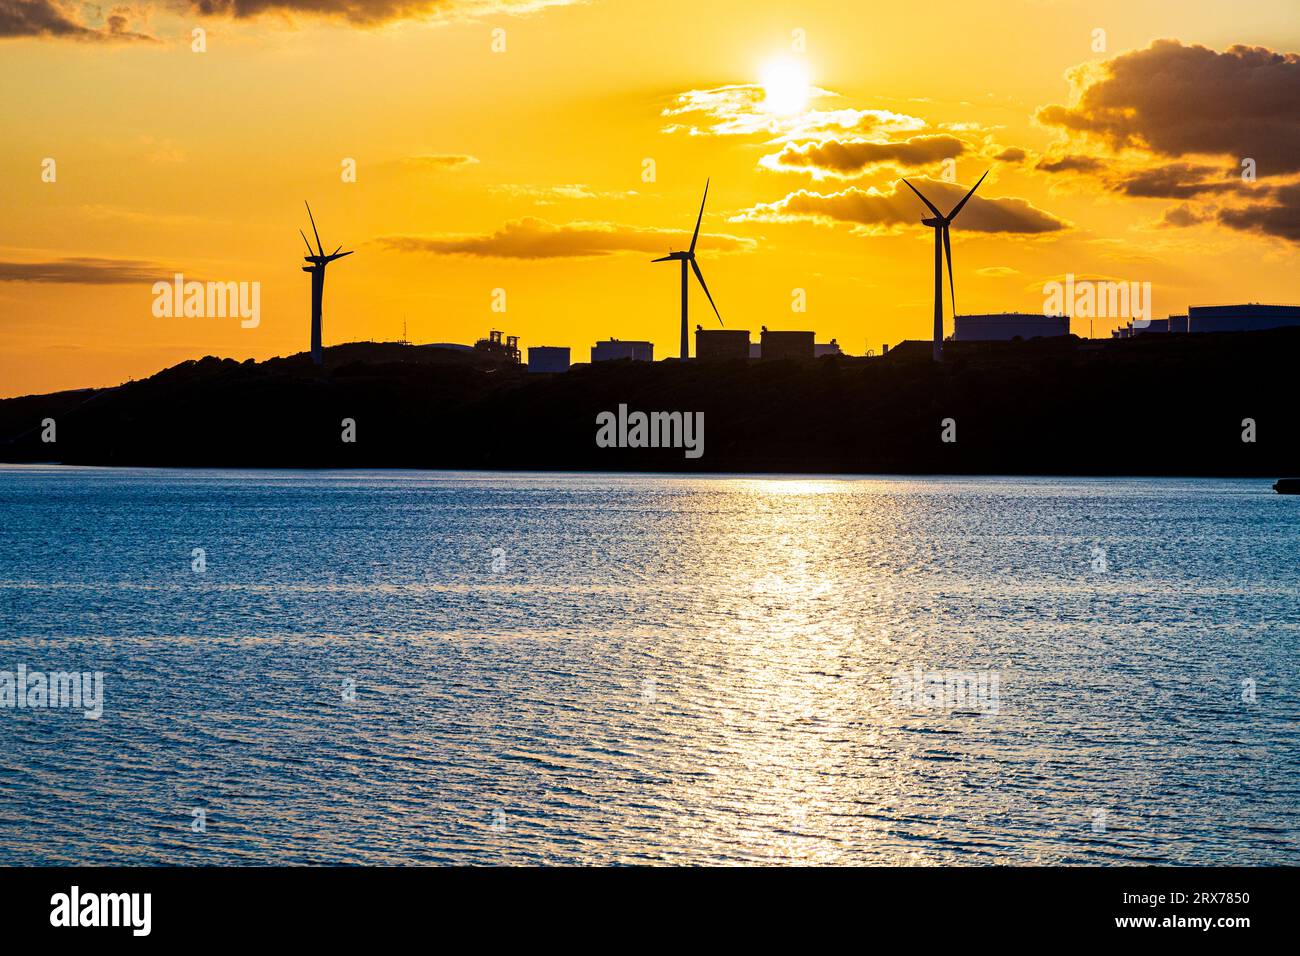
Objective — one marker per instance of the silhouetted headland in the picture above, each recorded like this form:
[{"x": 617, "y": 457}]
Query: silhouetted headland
[{"x": 1151, "y": 405}]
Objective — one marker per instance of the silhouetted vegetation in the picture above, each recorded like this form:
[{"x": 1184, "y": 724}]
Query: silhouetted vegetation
[{"x": 1154, "y": 404}]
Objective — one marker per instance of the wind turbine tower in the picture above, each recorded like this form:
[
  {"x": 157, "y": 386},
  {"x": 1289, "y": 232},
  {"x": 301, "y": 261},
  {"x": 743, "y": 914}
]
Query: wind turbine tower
[
  {"x": 318, "y": 261},
  {"x": 688, "y": 258},
  {"x": 942, "y": 247}
]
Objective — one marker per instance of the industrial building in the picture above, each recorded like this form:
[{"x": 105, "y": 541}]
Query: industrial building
[
  {"x": 617, "y": 349},
  {"x": 1005, "y": 326},
  {"x": 548, "y": 358},
  {"x": 721, "y": 345},
  {"x": 786, "y": 345},
  {"x": 826, "y": 348},
  {"x": 1157, "y": 326},
  {"x": 493, "y": 346},
  {"x": 1250, "y": 317}
]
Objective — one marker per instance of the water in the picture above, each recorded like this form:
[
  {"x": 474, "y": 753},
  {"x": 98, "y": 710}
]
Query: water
[{"x": 660, "y": 670}]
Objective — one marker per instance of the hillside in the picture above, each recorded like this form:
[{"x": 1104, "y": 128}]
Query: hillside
[{"x": 1154, "y": 404}]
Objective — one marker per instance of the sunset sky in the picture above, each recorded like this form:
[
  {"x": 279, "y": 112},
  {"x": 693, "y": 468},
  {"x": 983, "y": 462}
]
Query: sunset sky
[{"x": 523, "y": 169}]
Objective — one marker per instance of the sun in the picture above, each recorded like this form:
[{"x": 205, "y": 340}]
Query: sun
[{"x": 785, "y": 87}]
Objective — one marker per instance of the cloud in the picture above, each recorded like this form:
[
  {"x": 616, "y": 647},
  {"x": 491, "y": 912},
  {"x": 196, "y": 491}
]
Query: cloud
[
  {"x": 997, "y": 272},
  {"x": 1278, "y": 215},
  {"x": 874, "y": 208},
  {"x": 84, "y": 270},
  {"x": 367, "y": 12},
  {"x": 1071, "y": 164},
  {"x": 737, "y": 110},
  {"x": 832, "y": 157},
  {"x": 440, "y": 161},
  {"x": 1161, "y": 181},
  {"x": 1173, "y": 101},
  {"x": 1182, "y": 215},
  {"x": 550, "y": 195},
  {"x": 531, "y": 238},
  {"x": 1175, "y": 181},
  {"x": 59, "y": 20},
  {"x": 1012, "y": 154}
]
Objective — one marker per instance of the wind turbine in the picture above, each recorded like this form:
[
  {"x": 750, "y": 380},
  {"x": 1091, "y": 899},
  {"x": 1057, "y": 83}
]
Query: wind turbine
[
  {"x": 942, "y": 247},
  {"x": 318, "y": 261},
  {"x": 689, "y": 257}
]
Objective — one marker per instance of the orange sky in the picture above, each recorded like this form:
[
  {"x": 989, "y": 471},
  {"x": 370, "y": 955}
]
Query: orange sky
[{"x": 523, "y": 169}]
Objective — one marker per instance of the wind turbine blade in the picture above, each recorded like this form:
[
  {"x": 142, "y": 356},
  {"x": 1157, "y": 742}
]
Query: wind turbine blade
[
  {"x": 956, "y": 209},
  {"x": 313, "y": 228},
  {"x": 340, "y": 255},
  {"x": 700, "y": 219},
  {"x": 924, "y": 200},
  {"x": 947, "y": 251},
  {"x": 700, "y": 275},
  {"x": 336, "y": 251},
  {"x": 304, "y": 239},
  {"x": 664, "y": 259}
]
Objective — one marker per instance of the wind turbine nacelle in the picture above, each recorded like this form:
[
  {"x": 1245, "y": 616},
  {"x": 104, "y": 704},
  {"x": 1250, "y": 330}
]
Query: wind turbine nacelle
[{"x": 932, "y": 223}]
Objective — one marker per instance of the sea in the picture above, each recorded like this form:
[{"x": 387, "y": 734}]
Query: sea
[{"x": 417, "y": 668}]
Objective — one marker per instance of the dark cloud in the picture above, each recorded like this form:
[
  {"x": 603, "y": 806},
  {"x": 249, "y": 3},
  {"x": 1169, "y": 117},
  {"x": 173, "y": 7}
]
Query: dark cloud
[
  {"x": 871, "y": 207},
  {"x": 1164, "y": 181},
  {"x": 1174, "y": 101},
  {"x": 52, "y": 18},
  {"x": 1277, "y": 215},
  {"x": 84, "y": 271},
  {"x": 356, "y": 11},
  {"x": 532, "y": 238},
  {"x": 1181, "y": 216},
  {"x": 1174, "y": 181},
  {"x": 64, "y": 19},
  {"x": 848, "y": 157},
  {"x": 1012, "y": 154},
  {"x": 369, "y": 11},
  {"x": 1070, "y": 164}
]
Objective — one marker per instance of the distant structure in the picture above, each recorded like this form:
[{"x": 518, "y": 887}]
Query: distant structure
[
  {"x": 685, "y": 258},
  {"x": 1155, "y": 325},
  {"x": 787, "y": 345},
  {"x": 1158, "y": 326},
  {"x": 493, "y": 346},
  {"x": 1005, "y": 326},
  {"x": 1248, "y": 317},
  {"x": 548, "y": 358},
  {"x": 827, "y": 348},
  {"x": 942, "y": 247},
  {"x": 1251, "y": 317},
  {"x": 721, "y": 345},
  {"x": 318, "y": 261},
  {"x": 613, "y": 349},
  {"x": 756, "y": 350}
]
